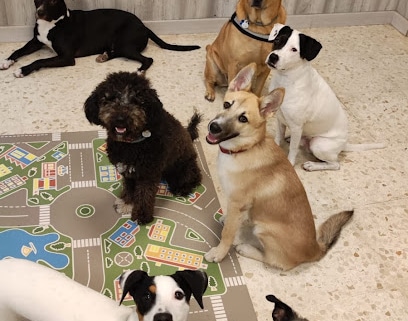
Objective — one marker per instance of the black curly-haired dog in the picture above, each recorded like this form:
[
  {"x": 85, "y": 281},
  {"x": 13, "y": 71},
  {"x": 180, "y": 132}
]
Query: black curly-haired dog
[{"x": 144, "y": 142}]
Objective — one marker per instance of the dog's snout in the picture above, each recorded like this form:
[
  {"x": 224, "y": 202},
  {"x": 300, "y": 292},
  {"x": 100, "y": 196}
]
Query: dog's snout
[
  {"x": 163, "y": 317},
  {"x": 256, "y": 3},
  {"x": 272, "y": 59},
  {"x": 214, "y": 128}
]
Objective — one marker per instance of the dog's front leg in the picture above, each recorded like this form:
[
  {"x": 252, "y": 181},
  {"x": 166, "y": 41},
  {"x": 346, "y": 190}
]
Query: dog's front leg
[
  {"x": 32, "y": 46},
  {"x": 232, "y": 224},
  {"x": 280, "y": 132},
  {"x": 144, "y": 197},
  {"x": 295, "y": 138},
  {"x": 58, "y": 61}
]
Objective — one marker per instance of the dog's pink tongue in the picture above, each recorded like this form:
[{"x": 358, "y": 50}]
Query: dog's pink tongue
[
  {"x": 120, "y": 130},
  {"x": 211, "y": 139}
]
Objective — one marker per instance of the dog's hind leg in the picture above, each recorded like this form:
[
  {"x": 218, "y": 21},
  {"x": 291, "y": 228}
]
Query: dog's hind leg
[
  {"x": 249, "y": 251},
  {"x": 183, "y": 177},
  {"x": 326, "y": 150}
]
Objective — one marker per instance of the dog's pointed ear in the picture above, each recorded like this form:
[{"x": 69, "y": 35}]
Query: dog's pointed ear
[
  {"x": 132, "y": 280},
  {"x": 91, "y": 109},
  {"x": 271, "y": 102},
  {"x": 195, "y": 280},
  {"x": 309, "y": 47},
  {"x": 243, "y": 80},
  {"x": 281, "y": 312}
]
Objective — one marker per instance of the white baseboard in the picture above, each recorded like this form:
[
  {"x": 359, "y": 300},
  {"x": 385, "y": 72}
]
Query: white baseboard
[{"x": 213, "y": 25}]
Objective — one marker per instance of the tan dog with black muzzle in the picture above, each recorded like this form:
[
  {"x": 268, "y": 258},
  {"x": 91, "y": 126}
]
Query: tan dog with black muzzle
[{"x": 268, "y": 215}]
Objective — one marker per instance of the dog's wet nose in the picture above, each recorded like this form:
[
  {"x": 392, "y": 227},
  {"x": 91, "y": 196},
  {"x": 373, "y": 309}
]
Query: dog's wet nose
[
  {"x": 163, "y": 317},
  {"x": 214, "y": 128},
  {"x": 272, "y": 59}
]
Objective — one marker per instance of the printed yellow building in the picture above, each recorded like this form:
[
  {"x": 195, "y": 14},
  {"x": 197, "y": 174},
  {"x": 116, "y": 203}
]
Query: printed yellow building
[{"x": 174, "y": 257}]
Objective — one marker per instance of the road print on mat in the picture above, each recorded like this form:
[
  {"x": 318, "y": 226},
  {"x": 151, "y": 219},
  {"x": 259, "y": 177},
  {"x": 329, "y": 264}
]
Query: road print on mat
[{"x": 56, "y": 208}]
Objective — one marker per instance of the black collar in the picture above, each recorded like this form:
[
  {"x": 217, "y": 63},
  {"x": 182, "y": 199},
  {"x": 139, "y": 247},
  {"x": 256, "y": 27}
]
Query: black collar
[{"x": 246, "y": 31}]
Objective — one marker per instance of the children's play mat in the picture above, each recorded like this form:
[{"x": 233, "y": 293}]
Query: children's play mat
[{"x": 56, "y": 208}]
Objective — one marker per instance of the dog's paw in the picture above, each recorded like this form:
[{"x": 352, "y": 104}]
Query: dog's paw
[
  {"x": 243, "y": 249},
  {"x": 102, "y": 57},
  {"x": 122, "y": 208},
  {"x": 215, "y": 255},
  {"x": 320, "y": 166},
  {"x": 210, "y": 96},
  {"x": 5, "y": 64},
  {"x": 18, "y": 73},
  {"x": 222, "y": 218}
]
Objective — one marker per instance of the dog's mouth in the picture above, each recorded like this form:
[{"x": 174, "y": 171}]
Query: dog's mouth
[
  {"x": 120, "y": 130},
  {"x": 271, "y": 65},
  {"x": 213, "y": 139}
]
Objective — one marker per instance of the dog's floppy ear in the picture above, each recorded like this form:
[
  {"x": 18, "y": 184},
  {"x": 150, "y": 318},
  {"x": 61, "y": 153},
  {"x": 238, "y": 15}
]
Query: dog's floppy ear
[
  {"x": 271, "y": 102},
  {"x": 243, "y": 80},
  {"x": 195, "y": 281},
  {"x": 309, "y": 47},
  {"x": 132, "y": 280},
  {"x": 91, "y": 109},
  {"x": 275, "y": 30}
]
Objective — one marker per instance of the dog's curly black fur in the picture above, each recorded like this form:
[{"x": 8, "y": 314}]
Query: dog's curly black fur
[{"x": 144, "y": 142}]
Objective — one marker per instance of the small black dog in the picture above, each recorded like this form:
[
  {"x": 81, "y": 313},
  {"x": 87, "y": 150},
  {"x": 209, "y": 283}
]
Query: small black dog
[
  {"x": 144, "y": 142},
  {"x": 283, "y": 312},
  {"x": 75, "y": 33}
]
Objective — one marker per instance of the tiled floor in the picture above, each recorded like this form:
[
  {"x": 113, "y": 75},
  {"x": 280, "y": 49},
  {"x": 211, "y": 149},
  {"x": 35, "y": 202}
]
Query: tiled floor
[{"x": 365, "y": 276}]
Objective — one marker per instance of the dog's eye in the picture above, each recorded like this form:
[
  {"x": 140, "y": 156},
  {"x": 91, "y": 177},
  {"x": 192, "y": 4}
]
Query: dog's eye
[
  {"x": 243, "y": 119},
  {"x": 294, "y": 49},
  {"x": 147, "y": 296},
  {"x": 179, "y": 295},
  {"x": 227, "y": 104}
]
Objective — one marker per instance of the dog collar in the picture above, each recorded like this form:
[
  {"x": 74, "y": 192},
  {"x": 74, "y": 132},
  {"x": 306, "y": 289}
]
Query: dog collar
[
  {"x": 145, "y": 134},
  {"x": 230, "y": 152},
  {"x": 242, "y": 25}
]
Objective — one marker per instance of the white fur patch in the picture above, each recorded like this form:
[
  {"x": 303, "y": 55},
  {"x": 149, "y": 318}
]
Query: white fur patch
[
  {"x": 275, "y": 30},
  {"x": 44, "y": 28},
  {"x": 18, "y": 73},
  {"x": 5, "y": 64}
]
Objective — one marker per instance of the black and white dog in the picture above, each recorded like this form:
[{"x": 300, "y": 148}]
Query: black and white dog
[
  {"x": 310, "y": 108},
  {"x": 37, "y": 293},
  {"x": 110, "y": 33}
]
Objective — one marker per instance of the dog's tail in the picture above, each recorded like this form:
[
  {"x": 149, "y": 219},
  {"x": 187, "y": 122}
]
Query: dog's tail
[
  {"x": 193, "y": 124},
  {"x": 330, "y": 230},
  {"x": 362, "y": 147},
  {"x": 165, "y": 45}
]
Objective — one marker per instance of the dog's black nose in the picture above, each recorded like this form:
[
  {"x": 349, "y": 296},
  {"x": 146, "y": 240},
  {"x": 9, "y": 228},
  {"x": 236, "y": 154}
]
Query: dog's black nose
[
  {"x": 215, "y": 128},
  {"x": 272, "y": 59},
  {"x": 256, "y": 3},
  {"x": 163, "y": 317}
]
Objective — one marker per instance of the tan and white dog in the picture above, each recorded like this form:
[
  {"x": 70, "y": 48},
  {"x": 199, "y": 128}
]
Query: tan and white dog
[
  {"x": 30, "y": 291},
  {"x": 268, "y": 216},
  {"x": 310, "y": 109}
]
